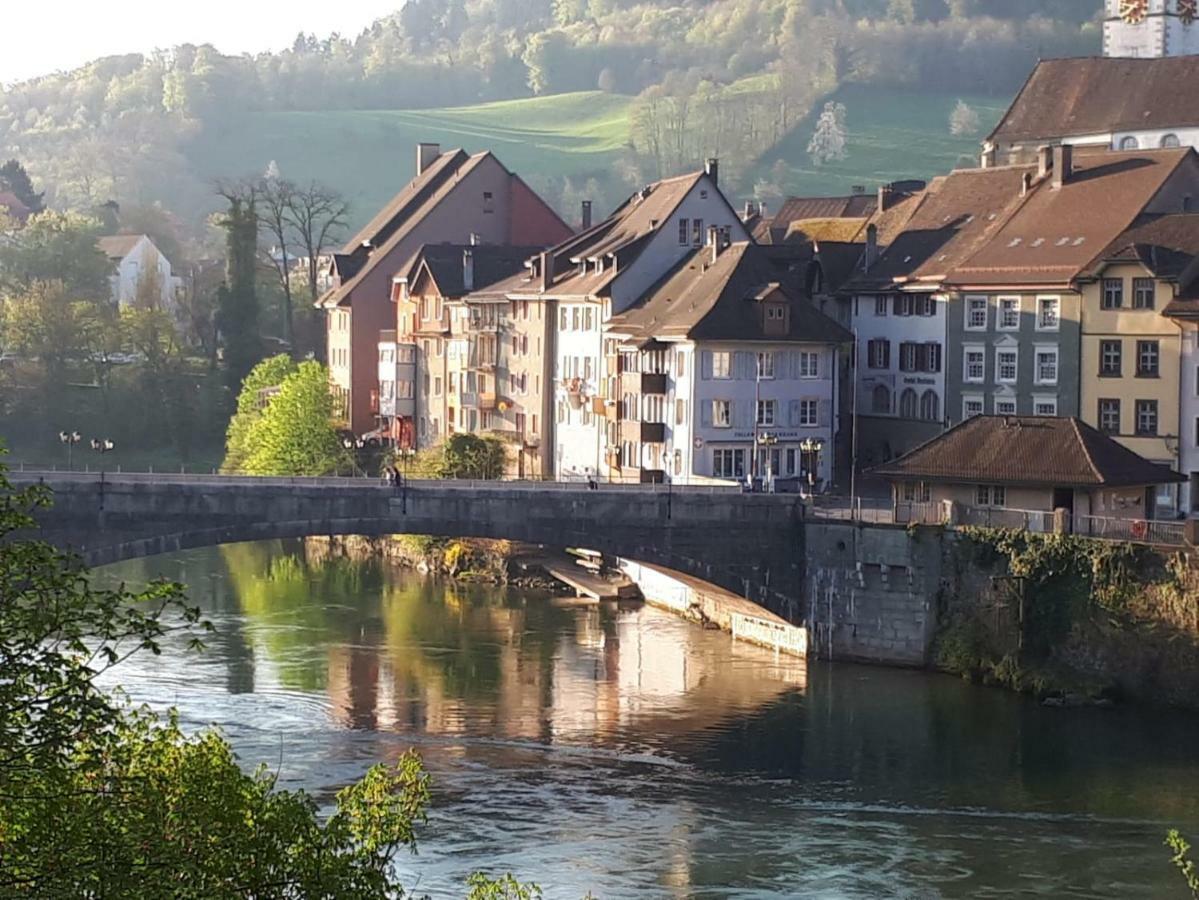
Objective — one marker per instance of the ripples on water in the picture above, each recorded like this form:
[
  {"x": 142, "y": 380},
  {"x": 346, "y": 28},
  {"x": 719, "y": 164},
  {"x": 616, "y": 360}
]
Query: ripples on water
[{"x": 634, "y": 755}]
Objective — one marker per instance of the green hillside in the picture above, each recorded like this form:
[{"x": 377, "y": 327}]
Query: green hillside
[
  {"x": 368, "y": 155},
  {"x": 892, "y": 135}
]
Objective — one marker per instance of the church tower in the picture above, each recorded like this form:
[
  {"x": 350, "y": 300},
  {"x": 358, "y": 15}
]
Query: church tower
[{"x": 1151, "y": 28}]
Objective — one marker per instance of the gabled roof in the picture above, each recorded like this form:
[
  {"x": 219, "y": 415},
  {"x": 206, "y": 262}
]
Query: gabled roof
[
  {"x": 1053, "y": 234},
  {"x": 720, "y": 300},
  {"x": 392, "y": 216},
  {"x": 445, "y": 265},
  {"x": 118, "y": 246},
  {"x": 1164, "y": 244},
  {"x": 1026, "y": 451},
  {"x": 1100, "y": 95}
]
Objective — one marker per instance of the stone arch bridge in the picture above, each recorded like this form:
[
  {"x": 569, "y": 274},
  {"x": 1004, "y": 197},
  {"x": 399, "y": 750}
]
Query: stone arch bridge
[{"x": 751, "y": 544}]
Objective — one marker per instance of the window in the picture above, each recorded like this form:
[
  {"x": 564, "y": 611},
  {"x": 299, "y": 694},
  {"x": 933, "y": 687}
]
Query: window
[
  {"x": 972, "y": 405},
  {"x": 990, "y": 495},
  {"x": 1169, "y": 141},
  {"x": 930, "y": 406},
  {"x": 908, "y": 353},
  {"x": 728, "y": 463},
  {"x": 684, "y": 232},
  {"x": 908, "y": 404},
  {"x": 809, "y": 413},
  {"x": 1147, "y": 417},
  {"x": 880, "y": 400},
  {"x": 1005, "y": 406},
  {"x": 1046, "y": 365},
  {"x": 880, "y": 306},
  {"x": 809, "y": 365},
  {"x": 1110, "y": 363},
  {"x": 562, "y": 319},
  {"x": 1109, "y": 416},
  {"x": 878, "y": 354},
  {"x": 1129, "y": 143},
  {"x": 697, "y": 232},
  {"x": 765, "y": 365},
  {"x": 903, "y": 305},
  {"x": 1044, "y": 406},
  {"x": 1113, "y": 293},
  {"x": 1009, "y": 314},
  {"x": 1048, "y": 313},
  {"x": 722, "y": 414},
  {"x": 775, "y": 312},
  {"x": 1147, "y": 359},
  {"x": 974, "y": 365},
  {"x": 926, "y": 306},
  {"x": 930, "y": 357},
  {"x": 766, "y": 412},
  {"x": 722, "y": 364},
  {"x": 680, "y": 363},
  {"x": 1007, "y": 365},
  {"x": 915, "y": 492},
  {"x": 976, "y": 313},
  {"x": 488, "y": 202},
  {"x": 680, "y": 412},
  {"x": 1142, "y": 293}
]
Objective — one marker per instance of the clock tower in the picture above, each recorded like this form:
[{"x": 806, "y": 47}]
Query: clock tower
[{"x": 1151, "y": 28}]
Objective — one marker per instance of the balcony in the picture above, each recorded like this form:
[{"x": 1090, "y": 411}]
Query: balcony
[
  {"x": 653, "y": 383},
  {"x": 653, "y": 476},
  {"x": 643, "y": 432},
  {"x": 487, "y": 400}
]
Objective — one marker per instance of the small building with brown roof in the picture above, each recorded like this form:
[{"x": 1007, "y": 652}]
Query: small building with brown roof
[
  {"x": 727, "y": 373},
  {"x": 998, "y": 469},
  {"x": 453, "y": 196}
]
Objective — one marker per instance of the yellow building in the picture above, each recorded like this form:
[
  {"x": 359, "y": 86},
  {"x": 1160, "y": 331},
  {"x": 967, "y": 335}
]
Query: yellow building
[{"x": 1131, "y": 353}]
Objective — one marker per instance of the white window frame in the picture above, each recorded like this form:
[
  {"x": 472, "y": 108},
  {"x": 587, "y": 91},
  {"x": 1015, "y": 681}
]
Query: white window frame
[
  {"x": 1056, "y": 300},
  {"x": 1005, "y": 399},
  {"x": 967, "y": 349},
  {"x": 1040, "y": 349},
  {"x": 999, "y": 311},
  {"x": 967, "y": 400},
  {"x": 809, "y": 364},
  {"x": 1039, "y": 400},
  {"x": 971, "y": 304},
  {"x": 809, "y": 413},
  {"x": 999, "y": 351},
  {"x": 727, "y": 407},
  {"x": 881, "y": 305},
  {"x": 725, "y": 371},
  {"x": 767, "y": 413},
  {"x": 765, "y": 363}
]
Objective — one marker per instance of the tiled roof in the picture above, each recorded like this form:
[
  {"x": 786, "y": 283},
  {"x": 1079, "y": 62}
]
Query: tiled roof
[
  {"x": 708, "y": 300},
  {"x": 855, "y": 206},
  {"x": 118, "y": 246},
  {"x": 1164, "y": 244},
  {"x": 445, "y": 263},
  {"x": 1026, "y": 451},
  {"x": 1098, "y": 95}
]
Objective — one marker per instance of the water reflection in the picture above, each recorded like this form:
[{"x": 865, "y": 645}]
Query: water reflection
[{"x": 634, "y": 754}]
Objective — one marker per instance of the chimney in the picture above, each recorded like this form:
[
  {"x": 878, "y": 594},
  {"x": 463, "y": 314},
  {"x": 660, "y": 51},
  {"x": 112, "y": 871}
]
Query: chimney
[
  {"x": 425, "y": 155},
  {"x": 586, "y": 214},
  {"x": 1044, "y": 161},
  {"x": 858, "y": 190},
  {"x": 1025, "y": 183},
  {"x": 871, "y": 251},
  {"x": 545, "y": 270},
  {"x": 475, "y": 239},
  {"x": 987, "y": 161},
  {"x": 1063, "y": 164},
  {"x": 884, "y": 197},
  {"x": 712, "y": 169},
  {"x": 714, "y": 241},
  {"x": 468, "y": 269},
  {"x": 750, "y": 211}
]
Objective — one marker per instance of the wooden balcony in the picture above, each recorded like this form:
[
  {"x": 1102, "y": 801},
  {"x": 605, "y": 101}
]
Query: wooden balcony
[{"x": 653, "y": 383}]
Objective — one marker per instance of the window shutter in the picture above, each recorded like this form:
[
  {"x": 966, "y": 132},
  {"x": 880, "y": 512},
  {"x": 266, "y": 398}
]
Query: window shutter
[
  {"x": 886, "y": 354},
  {"x": 743, "y": 413},
  {"x": 896, "y": 305},
  {"x": 706, "y": 365},
  {"x": 824, "y": 413},
  {"x": 935, "y": 353},
  {"x": 705, "y": 413},
  {"x": 744, "y": 365},
  {"x": 794, "y": 413}
]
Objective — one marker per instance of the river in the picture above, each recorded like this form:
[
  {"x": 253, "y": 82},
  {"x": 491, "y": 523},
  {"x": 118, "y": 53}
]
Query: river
[{"x": 633, "y": 754}]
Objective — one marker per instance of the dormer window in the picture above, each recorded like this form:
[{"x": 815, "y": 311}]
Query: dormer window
[{"x": 776, "y": 318}]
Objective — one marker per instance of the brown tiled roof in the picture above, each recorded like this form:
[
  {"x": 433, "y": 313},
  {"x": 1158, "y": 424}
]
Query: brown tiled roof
[
  {"x": 1097, "y": 95},
  {"x": 1053, "y": 234},
  {"x": 492, "y": 263},
  {"x": 718, "y": 301},
  {"x": 797, "y": 209},
  {"x": 1026, "y": 451},
  {"x": 391, "y": 216},
  {"x": 1164, "y": 244},
  {"x": 118, "y": 246}
]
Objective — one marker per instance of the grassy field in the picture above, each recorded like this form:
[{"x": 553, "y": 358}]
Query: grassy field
[
  {"x": 369, "y": 155},
  {"x": 892, "y": 135}
]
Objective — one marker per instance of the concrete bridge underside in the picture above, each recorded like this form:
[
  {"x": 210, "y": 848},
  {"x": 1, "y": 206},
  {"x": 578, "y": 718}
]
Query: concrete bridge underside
[{"x": 751, "y": 544}]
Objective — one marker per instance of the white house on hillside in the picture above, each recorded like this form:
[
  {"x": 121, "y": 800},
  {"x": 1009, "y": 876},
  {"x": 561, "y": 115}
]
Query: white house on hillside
[{"x": 133, "y": 256}]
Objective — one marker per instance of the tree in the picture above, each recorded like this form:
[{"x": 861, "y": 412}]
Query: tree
[
  {"x": 275, "y": 198},
  {"x": 48, "y": 326},
  {"x": 963, "y": 120},
  {"x": 14, "y": 179},
  {"x": 1183, "y": 862},
  {"x": 468, "y": 455},
  {"x": 828, "y": 142},
  {"x": 58, "y": 247},
  {"x": 295, "y": 435},
  {"x": 103, "y": 800},
  {"x": 251, "y": 402},
  {"x": 237, "y": 298},
  {"x": 318, "y": 217}
]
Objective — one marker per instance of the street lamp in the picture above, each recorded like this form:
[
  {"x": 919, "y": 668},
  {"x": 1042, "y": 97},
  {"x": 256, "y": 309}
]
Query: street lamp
[
  {"x": 811, "y": 453},
  {"x": 354, "y": 444},
  {"x": 70, "y": 439},
  {"x": 406, "y": 454},
  {"x": 102, "y": 447},
  {"x": 767, "y": 442}
]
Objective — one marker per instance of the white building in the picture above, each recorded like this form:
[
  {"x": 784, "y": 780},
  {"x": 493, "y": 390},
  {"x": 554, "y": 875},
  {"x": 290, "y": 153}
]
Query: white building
[
  {"x": 135, "y": 258},
  {"x": 603, "y": 271},
  {"x": 719, "y": 359},
  {"x": 1150, "y": 28}
]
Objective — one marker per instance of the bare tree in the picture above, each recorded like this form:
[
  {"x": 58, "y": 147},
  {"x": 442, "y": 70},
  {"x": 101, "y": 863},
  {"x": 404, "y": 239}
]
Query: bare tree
[
  {"x": 318, "y": 216},
  {"x": 276, "y": 198}
]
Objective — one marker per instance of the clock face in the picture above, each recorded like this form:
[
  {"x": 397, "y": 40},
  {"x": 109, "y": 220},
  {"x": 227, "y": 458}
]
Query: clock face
[
  {"x": 1134, "y": 11},
  {"x": 1188, "y": 10}
]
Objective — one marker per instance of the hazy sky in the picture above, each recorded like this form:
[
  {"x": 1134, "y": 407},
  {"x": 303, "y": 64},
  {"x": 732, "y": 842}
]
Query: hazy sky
[{"x": 60, "y": 34}]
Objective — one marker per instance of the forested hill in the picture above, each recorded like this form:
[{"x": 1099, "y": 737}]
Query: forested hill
[{"x": 654, "y": 87}]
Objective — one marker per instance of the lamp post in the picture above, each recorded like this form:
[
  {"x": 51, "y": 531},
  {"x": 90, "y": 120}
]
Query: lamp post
[
  {"x": 669, "y": 484},
  {"x": 70, "y": 439},
  {"x": 811, "y": 451},
  {"x": 406, "y": 455},
  {"x": 767, "y": 442},
  {"x": 354, "y": 445}
]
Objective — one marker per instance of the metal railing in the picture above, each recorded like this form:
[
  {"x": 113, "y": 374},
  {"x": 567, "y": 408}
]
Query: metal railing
[
  {"x": 1035, "y": 520},
  {"x": 1137, "y": 531}
]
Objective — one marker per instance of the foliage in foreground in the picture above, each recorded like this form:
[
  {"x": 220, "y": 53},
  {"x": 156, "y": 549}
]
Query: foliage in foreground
[
  {"x": 104, "y": 800},
  {"x": 1183, "y": 861}
]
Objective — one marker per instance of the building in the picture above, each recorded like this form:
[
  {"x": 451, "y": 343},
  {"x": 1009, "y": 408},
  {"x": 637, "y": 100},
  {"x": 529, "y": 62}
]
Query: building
[
  {"x": 720, "y": 360},
  {"x": 1150, "y": 28},
  {"x": 997, "y": 469},
  {"x": 1114, "y": 104},
  {"x": 600, "y": 272},
  {"x": 13, "y": 209},
  {"x": 448, "y": 369},
  {"x": 135, "y": 258},
  {"x": 453, "y": 196}
]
